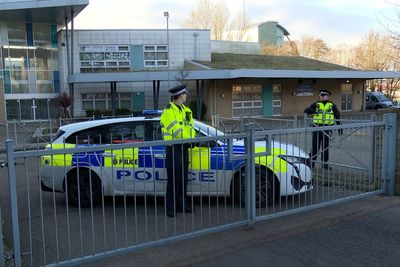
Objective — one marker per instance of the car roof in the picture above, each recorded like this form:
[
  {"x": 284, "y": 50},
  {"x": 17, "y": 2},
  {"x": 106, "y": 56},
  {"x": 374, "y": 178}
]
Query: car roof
[
  {"x": 74, "y": 127},
  {"x": 93, "y": 123}
]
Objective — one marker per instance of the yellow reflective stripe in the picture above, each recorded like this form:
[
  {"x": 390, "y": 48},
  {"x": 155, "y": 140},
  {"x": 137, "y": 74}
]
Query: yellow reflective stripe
[
  {"x": 199, "y": 158},
  {"x": 128, "y": 158},
  {"x": 272, "y": 161},
  {"x": 58, "y": 159},
  {"x": 172, "y": 124},
  {"x": 177, "y": 132}
]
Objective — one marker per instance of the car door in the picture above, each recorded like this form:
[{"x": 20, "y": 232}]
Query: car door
[
  {"x": 155, "y": 156},
  {"x": 127, "y": 168}
]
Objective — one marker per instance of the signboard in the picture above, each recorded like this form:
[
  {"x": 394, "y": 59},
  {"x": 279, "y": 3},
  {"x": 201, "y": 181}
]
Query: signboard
[{"x": 304, "y": 90}]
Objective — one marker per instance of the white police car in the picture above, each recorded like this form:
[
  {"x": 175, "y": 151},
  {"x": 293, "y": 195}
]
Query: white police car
[{"x": 129, "y": 169}]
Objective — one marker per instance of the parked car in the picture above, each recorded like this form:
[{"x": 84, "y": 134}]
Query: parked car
[
  {"x": 377, "y": 100},
  {"x": 129, "y": 170}
]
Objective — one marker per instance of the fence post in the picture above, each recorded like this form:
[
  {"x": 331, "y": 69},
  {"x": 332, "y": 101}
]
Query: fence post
[
  {"x": 13, "y": 201},
  {"x": 389, "y": 153},
  {"x": 15, "y": 131},
  {"x": 1, "y": 242},
  {"x": 250, "y": 175}
]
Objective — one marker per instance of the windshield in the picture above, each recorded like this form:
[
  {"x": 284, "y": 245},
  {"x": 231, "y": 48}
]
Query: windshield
[
  {"x": 382, "y": 97},
  {"x": 207, "y": 130},
  {"x": 58, "y": 134}
]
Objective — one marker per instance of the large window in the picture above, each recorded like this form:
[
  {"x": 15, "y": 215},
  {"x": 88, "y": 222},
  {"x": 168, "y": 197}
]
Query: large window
[
  {"x": 16, "y": 33},
  {"x": 155, "y": 56},
  {"x": 102, "y": 101},
  {"x": 104, "y": 58},
  {"x": 247, "y": 100}
]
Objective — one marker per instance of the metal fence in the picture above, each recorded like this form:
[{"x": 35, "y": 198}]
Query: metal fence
[{"x": 234, "y": 180}]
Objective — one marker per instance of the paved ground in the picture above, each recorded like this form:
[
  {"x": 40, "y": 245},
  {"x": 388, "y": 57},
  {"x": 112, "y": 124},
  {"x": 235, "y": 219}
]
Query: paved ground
[{"x": 360, "y": 233}]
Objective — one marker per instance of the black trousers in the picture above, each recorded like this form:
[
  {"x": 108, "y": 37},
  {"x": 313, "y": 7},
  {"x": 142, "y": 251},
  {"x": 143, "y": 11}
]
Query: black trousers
[
  {"x": 320, "y": 142},
  {"x": 177, "y": 163}
]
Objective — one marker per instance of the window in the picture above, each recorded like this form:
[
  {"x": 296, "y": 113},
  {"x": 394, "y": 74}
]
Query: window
[
  {"x": 126, "y": 132},
  {"x": 152, "y": 131},
  {"x": 102, "y": 101},
  {"x": 247, "y": 100},
  {"x": 16, "y": 33},
  {"x": 41, "y": 35},
  {"x": 87, "y": 136},
  {"x": 155, "y": 56},
  {"x": 108, "y": 58}
]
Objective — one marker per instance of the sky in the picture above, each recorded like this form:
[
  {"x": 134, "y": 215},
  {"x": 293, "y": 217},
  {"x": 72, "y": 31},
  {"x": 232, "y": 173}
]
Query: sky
[{"x": 334, "y": 21}]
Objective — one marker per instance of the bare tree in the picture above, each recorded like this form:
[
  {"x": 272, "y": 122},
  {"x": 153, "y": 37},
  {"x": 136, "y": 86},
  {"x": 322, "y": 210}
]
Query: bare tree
[
  {"x": 379, "y": 52},
  {"x": 287, "y": 49},
  {"x": 238, "y": 27},
  {"x": 342, "y": 55},
  {"x": 374, "y": 52},
  {"x": 312, "y": 47},
  {"x": 215, "y": 15}
]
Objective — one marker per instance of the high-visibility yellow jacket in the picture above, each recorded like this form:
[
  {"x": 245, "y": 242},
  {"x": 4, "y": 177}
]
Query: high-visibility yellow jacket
[
  {"x": 324, "y": 114},
  {"x": 177, "y": 123}
]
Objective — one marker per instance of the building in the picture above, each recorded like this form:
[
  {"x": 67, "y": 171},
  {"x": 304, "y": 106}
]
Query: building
[{"x": 133, "y": 69}]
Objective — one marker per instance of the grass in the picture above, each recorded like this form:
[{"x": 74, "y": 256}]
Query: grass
[{"x": 238, "y": 61}]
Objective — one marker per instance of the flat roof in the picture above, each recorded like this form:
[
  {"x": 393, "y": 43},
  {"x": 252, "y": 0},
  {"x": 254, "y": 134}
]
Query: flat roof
[
  {"x": 43, "y": 11},
  {"x": 220, "y": 74}
]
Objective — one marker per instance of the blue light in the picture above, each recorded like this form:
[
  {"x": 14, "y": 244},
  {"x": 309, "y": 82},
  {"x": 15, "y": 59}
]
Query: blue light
[{"x": 152, "y": 112}]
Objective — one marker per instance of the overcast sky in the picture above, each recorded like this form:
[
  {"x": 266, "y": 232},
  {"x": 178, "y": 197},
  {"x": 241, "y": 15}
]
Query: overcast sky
[{"x": 335, "y": 21}]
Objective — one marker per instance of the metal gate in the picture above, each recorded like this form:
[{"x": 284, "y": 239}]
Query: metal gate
[{"x": 234, "y": 180}]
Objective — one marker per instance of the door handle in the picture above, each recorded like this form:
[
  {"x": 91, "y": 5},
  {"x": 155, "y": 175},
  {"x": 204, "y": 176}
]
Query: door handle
[{"x": 159, "y": 156}]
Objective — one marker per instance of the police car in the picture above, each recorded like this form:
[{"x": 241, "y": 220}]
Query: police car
[{"x": 95, "y": 169}]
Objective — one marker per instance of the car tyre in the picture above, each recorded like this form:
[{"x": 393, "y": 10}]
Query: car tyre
[
  {"x": 265, "y": 192},
  {"x": 88, "y": 192}
]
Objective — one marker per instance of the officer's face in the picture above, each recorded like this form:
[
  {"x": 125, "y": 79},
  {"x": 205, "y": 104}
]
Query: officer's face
[
  {"x": 183, "y": 97},
  {"x": 323, "y": 97}
]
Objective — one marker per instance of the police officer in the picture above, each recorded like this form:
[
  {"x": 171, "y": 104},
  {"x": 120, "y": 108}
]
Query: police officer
[
  {"x": 324, "y": 114},
  {"x": 177, "y": 123}
]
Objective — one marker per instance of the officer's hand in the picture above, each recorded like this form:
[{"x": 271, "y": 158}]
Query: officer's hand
[{"x": 340, "y": 131}]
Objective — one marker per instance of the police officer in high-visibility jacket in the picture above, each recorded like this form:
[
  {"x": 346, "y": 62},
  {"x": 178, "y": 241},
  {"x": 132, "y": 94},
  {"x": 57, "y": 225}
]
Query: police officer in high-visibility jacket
[
  {"x": 177, "y": 123},
  {"x": 325, "y": 113}
]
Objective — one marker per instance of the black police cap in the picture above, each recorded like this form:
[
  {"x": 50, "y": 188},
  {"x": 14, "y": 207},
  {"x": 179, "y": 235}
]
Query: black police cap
[
  {"x": 324, "y": 92},
  {"x": 178, "y": 90}
]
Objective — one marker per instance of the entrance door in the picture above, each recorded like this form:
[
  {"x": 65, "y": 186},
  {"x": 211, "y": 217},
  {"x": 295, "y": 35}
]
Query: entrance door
[
  {"x": 346, "y": 97},
  {"x": 276, "y": 99}
]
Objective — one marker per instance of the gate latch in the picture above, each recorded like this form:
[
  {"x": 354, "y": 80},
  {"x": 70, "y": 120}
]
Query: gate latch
[{"x": 3, "y": 163}]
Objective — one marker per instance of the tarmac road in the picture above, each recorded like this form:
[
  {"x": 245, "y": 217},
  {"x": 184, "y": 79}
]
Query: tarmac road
[{"x": 363, "y": 232}]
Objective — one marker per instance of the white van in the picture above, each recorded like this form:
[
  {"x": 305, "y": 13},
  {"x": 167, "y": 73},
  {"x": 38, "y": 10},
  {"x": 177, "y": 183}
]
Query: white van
[{"x": 376, "y": 100}]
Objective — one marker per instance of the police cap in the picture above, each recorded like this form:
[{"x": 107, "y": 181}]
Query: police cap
[
  {"x": 178, "y": 90},
  {"x": 324, "y": 92}
]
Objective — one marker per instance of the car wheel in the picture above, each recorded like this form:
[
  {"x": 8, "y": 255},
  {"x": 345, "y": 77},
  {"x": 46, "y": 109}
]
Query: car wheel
[
  {"x": 83, "y": 190},
  {"x": 264, "y": 187}
]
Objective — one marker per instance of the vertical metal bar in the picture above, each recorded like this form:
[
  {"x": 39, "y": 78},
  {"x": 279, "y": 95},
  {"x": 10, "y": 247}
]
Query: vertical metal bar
[
  {"x": 29, "y": 212},
  {"x": 389, "y": 153},
  {"x": 250, "y": 175},
  {"x": 15, "y": 132},
  {"x": 1, "y": 242},
  {"x": 13, "y": 201}
]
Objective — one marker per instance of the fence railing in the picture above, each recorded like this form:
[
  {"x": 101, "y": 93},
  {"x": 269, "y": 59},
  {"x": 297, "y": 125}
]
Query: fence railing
[{"x": 77, "y": 203}]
